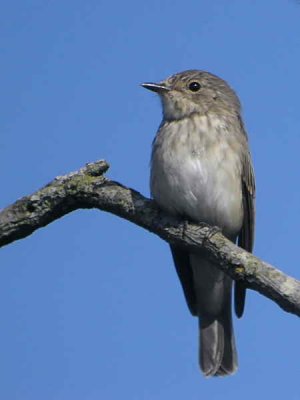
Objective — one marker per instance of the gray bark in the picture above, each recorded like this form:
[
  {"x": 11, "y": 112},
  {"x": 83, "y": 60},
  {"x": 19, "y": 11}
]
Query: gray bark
[{"x": 89, "y": 188}]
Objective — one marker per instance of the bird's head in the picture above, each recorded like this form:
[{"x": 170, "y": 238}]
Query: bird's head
[{"x": 194, "y": 92}]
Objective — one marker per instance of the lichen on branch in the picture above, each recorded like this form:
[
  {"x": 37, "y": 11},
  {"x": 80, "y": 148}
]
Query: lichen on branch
[{"x": 89, "y": 188}]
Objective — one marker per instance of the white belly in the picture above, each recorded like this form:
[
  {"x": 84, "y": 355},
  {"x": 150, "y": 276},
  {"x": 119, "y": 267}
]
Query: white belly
[{"x": 198, "y": 176}]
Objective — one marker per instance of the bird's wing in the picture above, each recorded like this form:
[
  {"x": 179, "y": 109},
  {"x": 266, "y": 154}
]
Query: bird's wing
[
  {"x": 184, "y": 271},
  {"x": 246, "y": 236}
]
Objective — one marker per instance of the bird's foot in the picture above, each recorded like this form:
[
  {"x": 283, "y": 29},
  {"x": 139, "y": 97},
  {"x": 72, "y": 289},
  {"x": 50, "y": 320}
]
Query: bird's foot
[{"x": 210, "y": 230}]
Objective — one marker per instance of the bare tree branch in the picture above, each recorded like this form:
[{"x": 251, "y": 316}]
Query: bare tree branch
[{"x": 89, "y": 188}]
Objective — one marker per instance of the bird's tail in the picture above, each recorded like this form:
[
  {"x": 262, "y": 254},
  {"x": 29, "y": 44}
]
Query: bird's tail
[
  {"x": 217, "y": 353},
  {"x": 217, "y": 350}
]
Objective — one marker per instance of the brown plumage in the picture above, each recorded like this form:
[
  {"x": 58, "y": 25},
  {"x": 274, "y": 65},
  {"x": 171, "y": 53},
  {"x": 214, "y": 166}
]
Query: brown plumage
[{"x": 201, "y": 169}]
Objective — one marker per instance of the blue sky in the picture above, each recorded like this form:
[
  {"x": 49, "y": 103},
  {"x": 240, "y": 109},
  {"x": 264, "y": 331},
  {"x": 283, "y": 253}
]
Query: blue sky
[{"x": 90, "y": 305}]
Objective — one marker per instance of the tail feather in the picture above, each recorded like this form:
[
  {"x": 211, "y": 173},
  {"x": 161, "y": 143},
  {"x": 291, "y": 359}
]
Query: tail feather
[
  {"x": 217, "y": 353},
  {"x": 211, "y": 346},
  {"x": 218, "y": 356},
  {"x": 230, "y": 360}
]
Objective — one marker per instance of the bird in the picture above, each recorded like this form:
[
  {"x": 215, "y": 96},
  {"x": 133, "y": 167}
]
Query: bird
[{"x": 201, "y": 170}]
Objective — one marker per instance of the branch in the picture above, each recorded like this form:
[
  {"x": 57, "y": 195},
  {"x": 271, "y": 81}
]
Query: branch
[{"x": 89, "y": 188}]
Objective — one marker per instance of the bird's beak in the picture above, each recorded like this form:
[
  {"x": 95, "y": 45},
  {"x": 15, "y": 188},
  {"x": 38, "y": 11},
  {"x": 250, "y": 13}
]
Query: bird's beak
[{"x": 155, "y": 87}]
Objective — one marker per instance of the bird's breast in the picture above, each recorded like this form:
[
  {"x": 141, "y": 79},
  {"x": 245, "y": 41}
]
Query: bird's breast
[{"x": 196, "y": 172}]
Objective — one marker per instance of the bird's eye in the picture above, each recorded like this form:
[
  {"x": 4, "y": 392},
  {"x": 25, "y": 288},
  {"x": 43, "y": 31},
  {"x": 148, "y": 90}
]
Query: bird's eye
[{"x": 194, "y": 86}]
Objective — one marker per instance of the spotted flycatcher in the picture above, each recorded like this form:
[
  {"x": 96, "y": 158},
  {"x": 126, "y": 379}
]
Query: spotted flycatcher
[{"x": 201, "y": 170}]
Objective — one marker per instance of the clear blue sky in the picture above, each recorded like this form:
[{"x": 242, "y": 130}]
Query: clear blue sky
[{"x": 90, "y": 306}]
